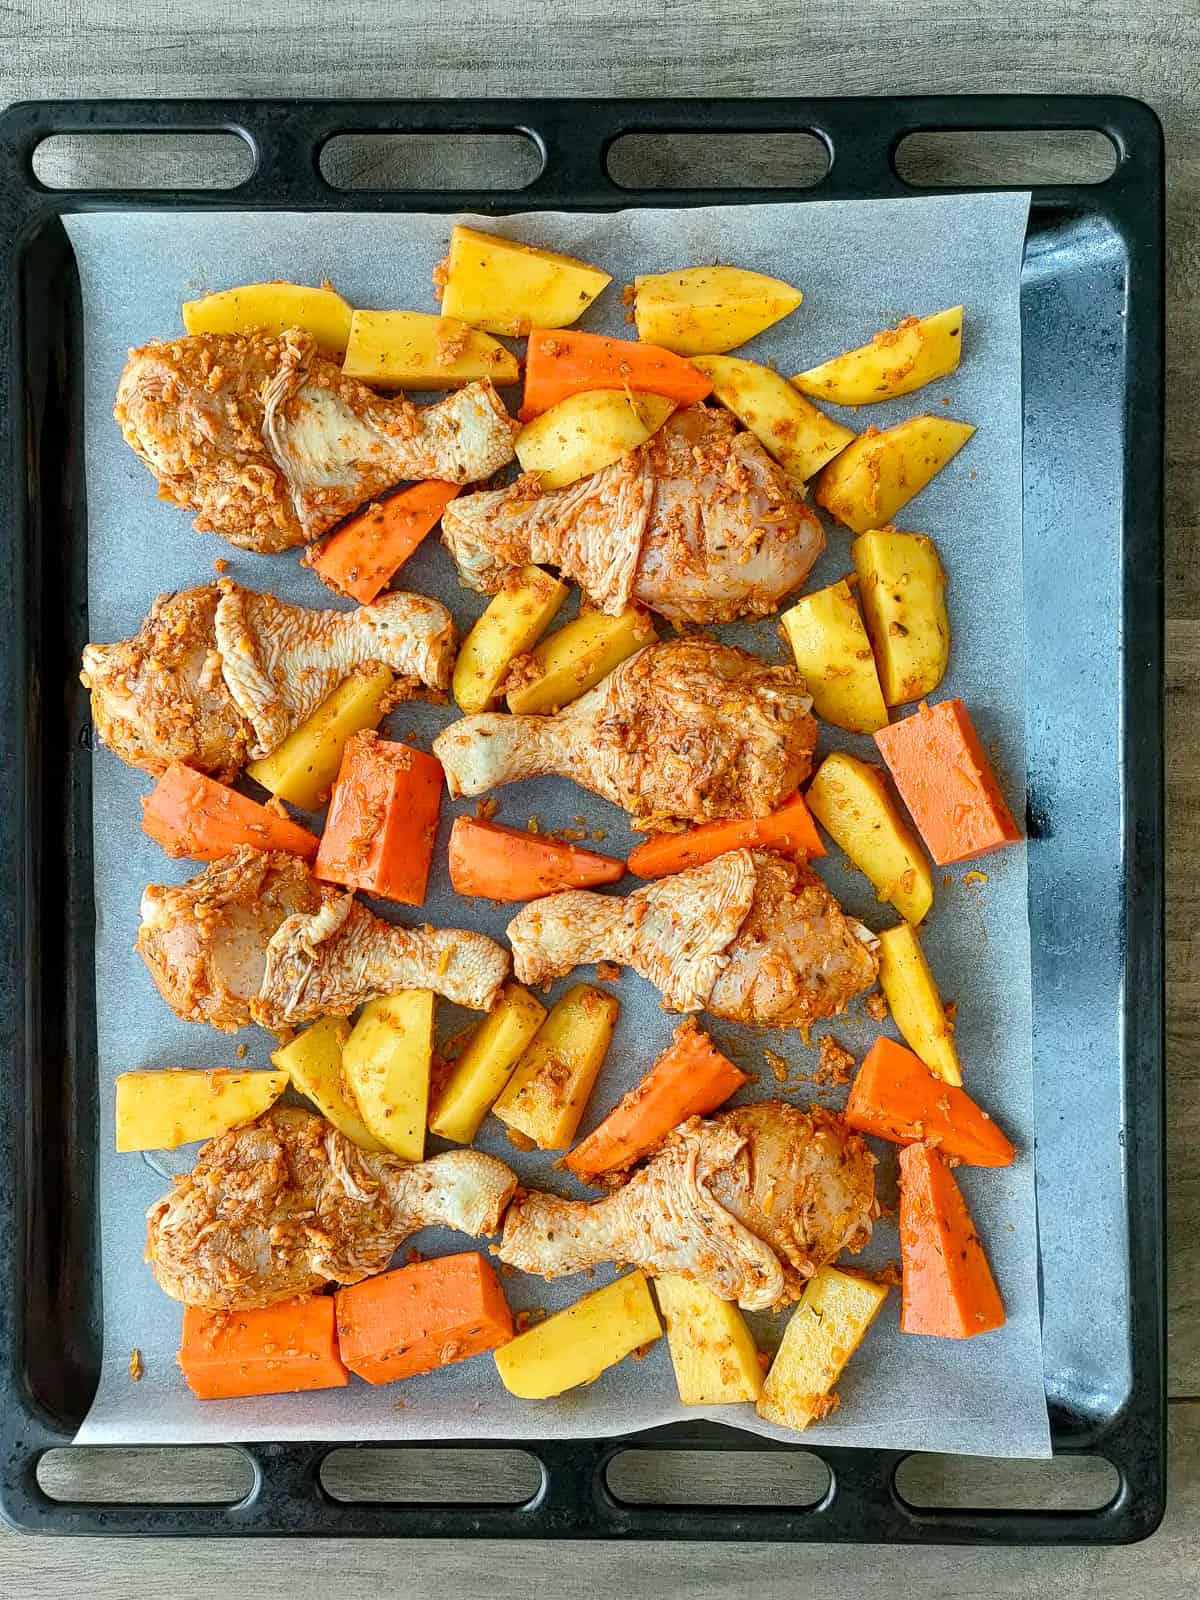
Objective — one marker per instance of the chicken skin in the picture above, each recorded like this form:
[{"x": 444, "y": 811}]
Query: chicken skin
[
  {"x": 749, "y": 1203},
  {"x": 699, "y": 524},
  {"x": 689, "y": 729},
  {"x": 287, "y": 1204},
  {"x": 220, "y": 675},
  {"x": 255, "y": 938},
  {"x": 272, "y": 444},
  {"x": 751, "y": 937}
]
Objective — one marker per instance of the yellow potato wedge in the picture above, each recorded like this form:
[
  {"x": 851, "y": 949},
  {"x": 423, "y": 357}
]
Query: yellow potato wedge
[
  {"x": 161, "y": 1110},
  {"x": 830, "y": 644},
  {"x": 708, "y": 310},
  {"x": 313, "y": 1061},
  {"x": 867, "y": 484},
  {"x": 897, "y": 361},
  {"x": 514, "y": 621},
  {"x": 505, "y": 287},
  {"x": 301, "y": 771},
  {"x": 902, "y": 590},
  {"x": 852, "y": 802},
  {"x": 274, "y": 307},
  {"x": 485, "y": 1066},
  {"x": 589, "y": 431},
  {"x": 574, "y": 659},
  {"x": 576, "y": 1345},
  {"x": 712, "y": 1350},
  {"x": 824, "y": 1331},
  {"x": 801, "y": 438},
  {"x": 912, "y": 994},
  {"x": 546, "y": 1095},
  {"x": 386, "y": 1063},
  {"x": 417, "y": 350}
]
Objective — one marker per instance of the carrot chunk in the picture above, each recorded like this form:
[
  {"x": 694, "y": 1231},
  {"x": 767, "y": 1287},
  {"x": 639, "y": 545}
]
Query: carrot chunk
[
  {"x": 362, "y": 556},
  {"x": 190, "y": 814},
  {"x": 383, "y": 819},
  {"x": 500, "y": 863},
  {"x": 689, "y": 1079},
  {"x": 947, "y": 782},
  {"x": 276, "y": 1350},
  {"x": 895, "y": 1096},
  {"x": 559, "y": 364},
  {"x": 948, "y": 1289},
  {"x": 790, "y": 830},
  {"x": 421, "y": 1316}
]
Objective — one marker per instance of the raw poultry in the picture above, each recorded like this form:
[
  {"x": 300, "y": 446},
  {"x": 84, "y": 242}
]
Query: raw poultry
[
  {"x": 272, "y": 445},
  {"x": 698, "y": 524},
  {"x": 749, "y": 1203},
  {"x": 220, "y": 675},
  {"x": 255, "y": 938},
  {"x": 751, "y": 936},
  {"x": 689, "y": 729},
  {"x": 287, "y": 1204}
]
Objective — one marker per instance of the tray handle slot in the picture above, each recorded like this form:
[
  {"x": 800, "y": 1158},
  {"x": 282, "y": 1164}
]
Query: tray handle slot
[
  {"x": 216, "y": 159},
  {"x": 1068, "y": 1482},
  {"x": 990, "y": 158}
]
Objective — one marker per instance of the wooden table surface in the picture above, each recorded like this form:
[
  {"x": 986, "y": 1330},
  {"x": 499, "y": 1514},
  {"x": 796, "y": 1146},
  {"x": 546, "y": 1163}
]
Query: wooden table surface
[{"x": 707, "y": 48}]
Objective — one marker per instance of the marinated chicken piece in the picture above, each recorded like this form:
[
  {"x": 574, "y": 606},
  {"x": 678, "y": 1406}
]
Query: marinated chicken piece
[
  {"x": 689, "y": 729},
  {"x": 287, "y": 1204},
  {"x": 750, "y": 1203},
  {"x": 751, "y": 936},
  {"x": 255, "y": 938},
  {"x": 272, "y": 444},
  {"x": 220, "y": 675},
  {"x": 699, "y": 524}
]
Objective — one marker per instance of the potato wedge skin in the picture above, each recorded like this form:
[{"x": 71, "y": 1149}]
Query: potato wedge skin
[
  {"x": 852, "y": 802},
  {"x": 578, "y": 656},
  {"x": 506, "y": 287},
  {"x": 800, "y": 437},
  {"x": 708, "y": 310},
  {"x": 712, "y": 1349},
  {"x": 480, "y": 1073},
  {"x": 881, "y": 471},
  {"x": 902, "y": 591},
  {"x": 907, "y": 981},
  {"x": 313, "y": 1062},
  {"x": 418, "y": 350},
  {"x": 833, "y": 652},
  {"x": 547, "y": 1094},
  {"x": 514, "y": 621},
  {"x": 159, "y": 1110},
  {"x": 303, "y": 768},
  {"x": 587, "y": 432},
  {"x": 274, "y": 307},
  {"x": 386, "y": 1061},
  {"x": 823, "y": 1332},
  {"x": 896, "y": 361},
  {"x": 576, "y": 1345}
]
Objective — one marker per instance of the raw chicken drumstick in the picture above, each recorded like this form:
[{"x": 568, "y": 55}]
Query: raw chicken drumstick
[
  {"x": 689, "y": 729},
  {"x": 287, "y": 1204},
  {"x": 750, "y": 1204},
  {"x": 750, "y": 936},
  {"x": 272, "y": 445},
  {"x": 699, "y": 524},
  {"x": 219, "y": 675},
  {"x": 255, "y": 938}
]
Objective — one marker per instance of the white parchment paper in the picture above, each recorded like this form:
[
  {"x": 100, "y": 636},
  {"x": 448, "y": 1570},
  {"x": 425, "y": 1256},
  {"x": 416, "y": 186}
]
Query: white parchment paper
[{"x": 862, "y": 266}]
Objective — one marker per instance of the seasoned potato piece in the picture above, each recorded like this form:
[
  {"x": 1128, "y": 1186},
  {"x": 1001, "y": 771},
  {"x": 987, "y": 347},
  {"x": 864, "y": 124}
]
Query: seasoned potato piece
[
  {"x": 902, "y": 589},
  {"x": 160, "y": 1110},
  {"x": 574, "y": 659},
  {"x": 417, "y": 350},
  {"x": 547, "y": 1094},
  {"x": 712, "y": 1350},
  {"x": 801, "y": 438},
  {"x": 313, "y": 1061},
  {"x": 505, "y": 287},
  {"x": 274, "y": 307},
  {"x": 576, "y": 1345},
  {"x": 514, "y": 622},
  {"x": 304, "y": 766},
  {"x": 851, "y": 801},
  {"x": 484, "y": 1067},
  {"x": 896, "y": 362},
  {"x": 588, "y": 431},
  {"x": 912, "y": 993},
  {"x": 386, "y": 1062},
  {"x": 707, "y": 310},
  {"x": 824, "y": 1331},
  {"x": 867, "y": 484},
  {"x": 830, "y": 644}
]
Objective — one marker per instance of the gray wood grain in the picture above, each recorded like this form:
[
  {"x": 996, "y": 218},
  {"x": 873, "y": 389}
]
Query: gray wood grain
[{"x": 701, "y": 48}]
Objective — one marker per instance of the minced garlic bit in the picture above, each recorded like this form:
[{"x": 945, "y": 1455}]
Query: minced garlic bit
[
  {"x": 779, "y": 1065},
  {"x": 485, "y": 810},
  {"x": 136, "y": 1368},
  {"x": 975, "y": 878},
  {"x": 243, "y": 1050},
  {"x": 834, "y": 1062}
]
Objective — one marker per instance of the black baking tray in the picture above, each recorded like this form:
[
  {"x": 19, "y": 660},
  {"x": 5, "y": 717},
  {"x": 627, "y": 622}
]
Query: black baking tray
[{"x": 1092, "y": 309}]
